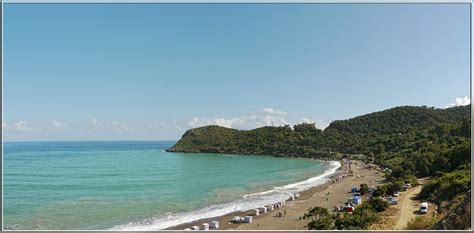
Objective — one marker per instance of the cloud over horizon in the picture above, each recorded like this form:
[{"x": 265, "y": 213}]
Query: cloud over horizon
[
  {"x": 121, "y": 126},
  {"x": 265, "y": 117},
  {"x": 21, "y": 125},
  {"x": 59, "y": 124},
  {"x": 93, "y": 123},
  {"x": 459, "y": 101},
  {"x": 320, "y": 124},
  {"x": 259, "y": 118}
]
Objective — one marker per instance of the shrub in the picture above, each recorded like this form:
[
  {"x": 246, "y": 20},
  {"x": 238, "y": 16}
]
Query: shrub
[
  {"x": 380, "y": 191},
  {"x": 411, "y": 180},
  {"x": 324, "y": 223},
  {"x": 378, "y": 204},
  {"x": 364, "y": 189},
  {"x": 360, "y": 219},
  {"x": 320, "y": 218},
  {"x": 447, "y": 186},
  {"x": 421, "y": 223}
]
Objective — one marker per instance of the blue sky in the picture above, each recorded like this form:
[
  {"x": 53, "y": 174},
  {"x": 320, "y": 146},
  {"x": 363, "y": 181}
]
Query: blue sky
[{"x": 151, "y": 71}]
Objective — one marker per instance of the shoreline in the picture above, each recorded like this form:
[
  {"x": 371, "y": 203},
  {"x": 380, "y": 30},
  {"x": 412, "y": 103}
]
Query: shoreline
[
  {"x": 337, "y": 177},
  {"x": 255, "y": 200}
]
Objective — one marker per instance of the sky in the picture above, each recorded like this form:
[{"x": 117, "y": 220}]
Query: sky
[{"x": 152, "y": 71}]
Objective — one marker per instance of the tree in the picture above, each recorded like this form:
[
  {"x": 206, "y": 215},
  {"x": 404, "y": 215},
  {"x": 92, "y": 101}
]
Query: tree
[
  {"x": 364, "y": 189},
  {"x": 380, "y": 191},
  {"x": 360, "y": 219},
  {"x": 320, "y": 218},
  {"x": 324, "y": 223},
  {"x": 423, "y": 166},
  {"x": 378, "y": 204}
]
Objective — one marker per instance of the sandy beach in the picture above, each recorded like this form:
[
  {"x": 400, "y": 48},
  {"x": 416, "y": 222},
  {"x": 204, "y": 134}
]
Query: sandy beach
[{"x": 327, "y": 195}]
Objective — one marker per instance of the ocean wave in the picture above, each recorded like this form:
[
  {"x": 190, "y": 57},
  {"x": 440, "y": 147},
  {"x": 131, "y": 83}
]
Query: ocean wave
[{"x": 248, "y": 202}]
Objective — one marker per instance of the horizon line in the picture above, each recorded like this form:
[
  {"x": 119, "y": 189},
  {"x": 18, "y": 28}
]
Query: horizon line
[{"x": 101, "y": 140}]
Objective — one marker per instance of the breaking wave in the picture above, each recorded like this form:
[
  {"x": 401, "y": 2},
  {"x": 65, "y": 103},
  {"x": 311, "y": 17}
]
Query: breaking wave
[{"x": 247, "y": 202}]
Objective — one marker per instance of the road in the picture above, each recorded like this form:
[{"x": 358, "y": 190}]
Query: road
[{"x": 408, "y": 207}]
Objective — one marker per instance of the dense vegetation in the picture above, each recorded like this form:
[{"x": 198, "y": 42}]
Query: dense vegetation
[
  {"x": 412, "y": 142},
  {"x": 320, "y": 219},
  {"x": 376, "y": 134}
]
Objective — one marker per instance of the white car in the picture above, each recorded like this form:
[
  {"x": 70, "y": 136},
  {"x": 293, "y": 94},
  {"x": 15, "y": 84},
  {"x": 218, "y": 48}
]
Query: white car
[
  {"x": 396, "y": 194},
  {"x": 424, "y": 208}
]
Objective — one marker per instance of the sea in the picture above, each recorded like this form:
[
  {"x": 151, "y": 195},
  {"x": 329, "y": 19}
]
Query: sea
[{"x": 137, "y": 185}]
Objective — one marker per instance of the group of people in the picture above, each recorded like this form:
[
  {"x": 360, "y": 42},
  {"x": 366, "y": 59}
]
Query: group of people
[
  {"x": 280, "y": 215},
  {"x": 347, "y": 163}
]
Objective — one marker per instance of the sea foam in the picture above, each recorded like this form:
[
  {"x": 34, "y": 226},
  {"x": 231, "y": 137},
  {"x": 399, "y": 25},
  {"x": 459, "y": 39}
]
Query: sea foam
[{"x": 247, "y": 202}]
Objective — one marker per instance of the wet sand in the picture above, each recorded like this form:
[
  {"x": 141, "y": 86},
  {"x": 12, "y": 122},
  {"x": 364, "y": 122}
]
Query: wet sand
[{"x": 326, "y": 195}]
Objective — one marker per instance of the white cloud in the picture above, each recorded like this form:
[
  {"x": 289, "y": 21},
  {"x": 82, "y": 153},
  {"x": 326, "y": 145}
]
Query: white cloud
[
  {"x": 121, "y": 126},
  {"x": 170, "y": 125},
  {"x": 93, "y": 123},
  {"x": 266, "y": 117},
  {"x": 307, "y": 120},
  {"x": 59, "y": 124},
  {"x": 320, "y": 124},
  {"x": 21, "y": 126},
  {"x": 273, "y": 111},
  {"x": 156, "y": 127},
  {"x": 460, "y": 101}
]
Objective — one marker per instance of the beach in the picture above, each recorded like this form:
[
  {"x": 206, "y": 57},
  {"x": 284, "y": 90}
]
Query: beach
[{"x": 326, "y": 195}]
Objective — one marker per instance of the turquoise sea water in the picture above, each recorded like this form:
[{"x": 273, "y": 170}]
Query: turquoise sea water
[{"x": 139, "y": 186}]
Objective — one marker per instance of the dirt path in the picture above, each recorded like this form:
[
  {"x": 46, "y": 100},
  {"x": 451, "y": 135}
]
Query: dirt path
[{"x": 408, "y": 207}]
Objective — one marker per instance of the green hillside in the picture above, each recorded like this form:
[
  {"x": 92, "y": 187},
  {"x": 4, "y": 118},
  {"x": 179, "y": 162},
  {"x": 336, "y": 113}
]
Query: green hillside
[{"x": 368, "y": 134}]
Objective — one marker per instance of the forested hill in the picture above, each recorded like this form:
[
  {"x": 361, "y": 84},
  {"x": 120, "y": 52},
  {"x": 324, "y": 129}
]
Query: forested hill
[
  {"x": 357, "y": 135},
  {"x": 400, "y": 120}
]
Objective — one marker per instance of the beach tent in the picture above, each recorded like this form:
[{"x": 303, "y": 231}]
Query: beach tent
[
  {"x": 195, "y": 228},
  {"x": 356, "y": 200},
  {"x": 248, "y": 219},
  {"x": 236, "y": 219},
  {"x": 214, "y": 224},
  {"x": 270, "y": 207},
  {"x": 205, "y": 226},
  {"x": 354, "y": 190}
]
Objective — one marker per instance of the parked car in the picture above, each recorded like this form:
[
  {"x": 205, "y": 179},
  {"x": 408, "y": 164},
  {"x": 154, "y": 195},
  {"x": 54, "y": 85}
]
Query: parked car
[
  {"x": 405, "y": 187},
  {"x": 392, "y": 201},
  {"x": 396, "y": 194},
  {"x": 424, "y": 208}
]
